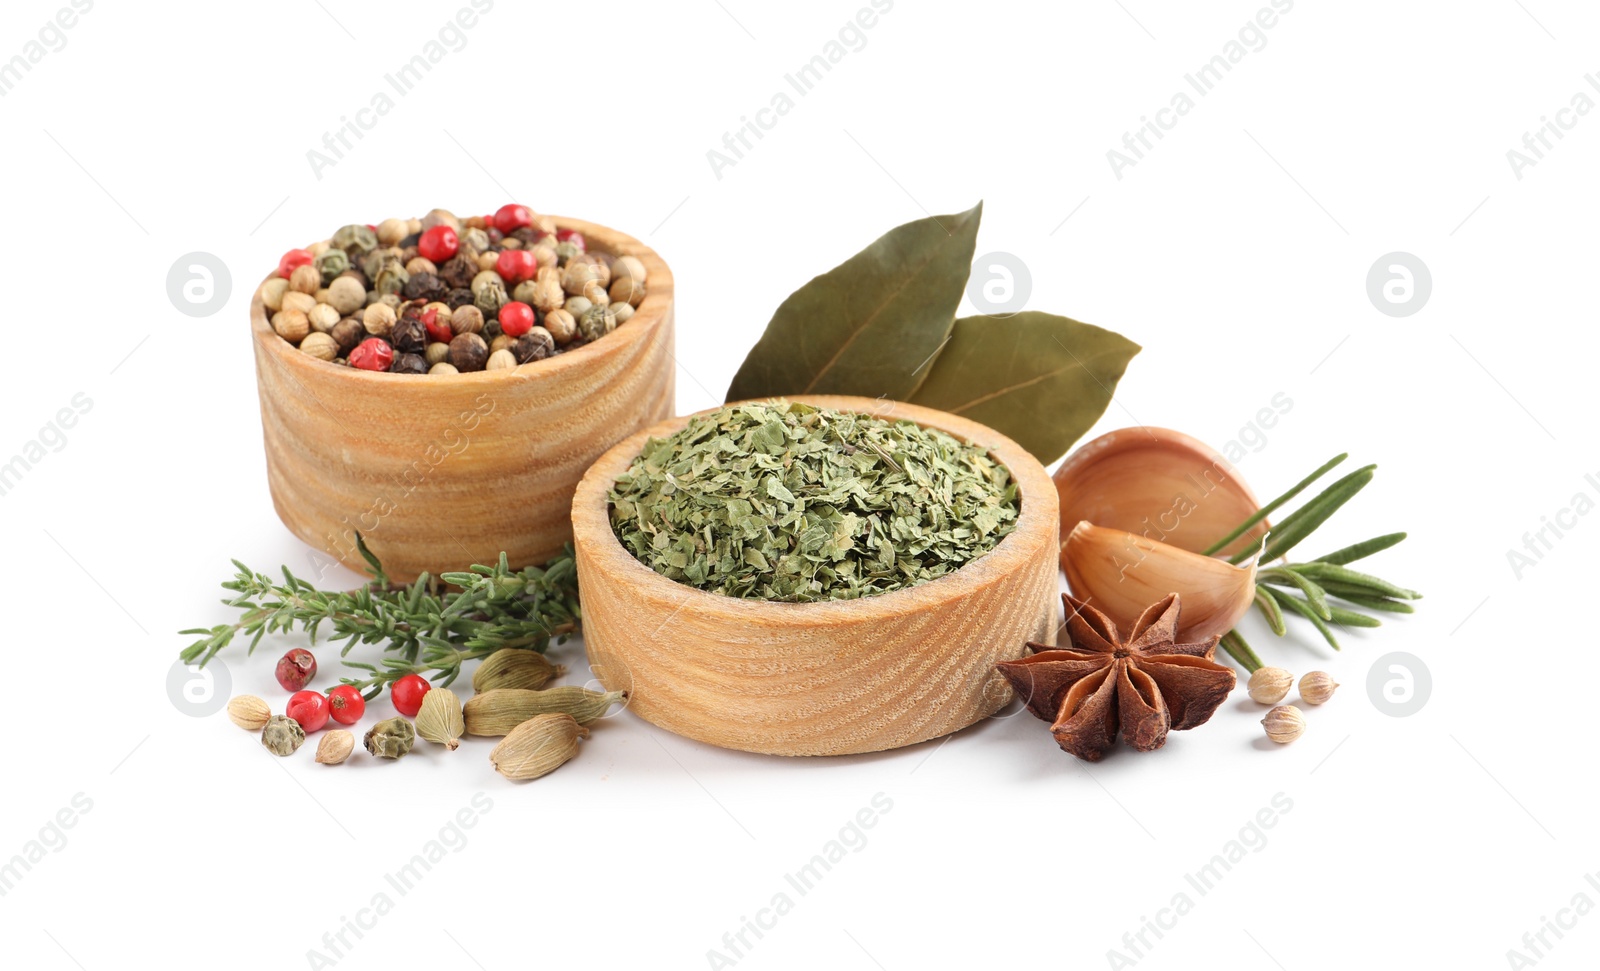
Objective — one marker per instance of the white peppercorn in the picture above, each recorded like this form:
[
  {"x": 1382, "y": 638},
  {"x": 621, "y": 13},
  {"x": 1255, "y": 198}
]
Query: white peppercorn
[
  {"x": 577, "y": 275},
  {"x": 627, "y": 268},
  {"x": 501, "y": 359},
  {"x": 272, "y": 294},
  {"x": 305, "y": 279},
  {"x": 622, "y": 311},
  {"x": 379, "y": 319},
  {"x": 323, "y": 317},
  {"x": 291, "y": 325},
  {"x": 443, "y": 367},
  {"x": 596, "y": 294},
  {"x": 346, "y": 295},
  {"x": 436, "y": 352},
  {"x": 440, "y": 217},
  {"x": 320, "y": 346},
  {"x": 578, "y": 306},
  {"x": 484, "y": 278},
  {"x": 295, "y": 300},
  {"x": 420, "y": 264}
]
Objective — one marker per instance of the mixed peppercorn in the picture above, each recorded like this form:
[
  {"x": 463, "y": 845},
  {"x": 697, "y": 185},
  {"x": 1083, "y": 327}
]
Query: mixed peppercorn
[{"x": 442, "y": 295}]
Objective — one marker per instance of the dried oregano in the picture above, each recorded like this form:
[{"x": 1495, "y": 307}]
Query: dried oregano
[{"x": 783, "y": 501}]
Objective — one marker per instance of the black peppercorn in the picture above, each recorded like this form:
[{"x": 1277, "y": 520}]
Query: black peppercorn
[
  {"x": 410, "y": 335},
  {"x": 423, "y": 286},
  {"x": 535, "y": 345},
  {"x": 458, "y": 271},
  {"x": 468, "y": 352},
  {"x": 348, "y": 333},
  {"x": 409, "y": 364},
  {"x": 459, "y": 297}
]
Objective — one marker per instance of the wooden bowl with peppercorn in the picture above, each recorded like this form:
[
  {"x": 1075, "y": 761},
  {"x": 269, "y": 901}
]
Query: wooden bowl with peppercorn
[
  {"x": 438, "y": 467},
  {"x": 826, "y": 677}
]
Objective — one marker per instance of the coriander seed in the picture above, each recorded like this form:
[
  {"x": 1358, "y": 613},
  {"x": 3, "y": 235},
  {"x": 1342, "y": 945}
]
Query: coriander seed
[
  {"x": 561, "y": 325},
  {"x": 466, "y": 320},
  {"x": 379, "y": 319},
  {"x": 1268, "y": 686},
  {"x": 1284, "y": 724},
  {"x": 468, "y": 352},
  {"x": 323, "y": 317},
  {"x": 392, "y": 231},
  {"x": 1317, "y": 687},
  {"x": 291, "y": 325},
  {"x": 272, "y": 294},
  {"x": 320, "y": 346},
  {"x": 305, "y": 279},
  {"x": 295, "y": 300}
]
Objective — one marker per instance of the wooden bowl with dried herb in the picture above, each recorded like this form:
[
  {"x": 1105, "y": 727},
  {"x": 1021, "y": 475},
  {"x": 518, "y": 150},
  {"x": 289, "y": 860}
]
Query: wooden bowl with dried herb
[
  {"x": 828, "y": 575},
  {"x": 441, "y": 470}
]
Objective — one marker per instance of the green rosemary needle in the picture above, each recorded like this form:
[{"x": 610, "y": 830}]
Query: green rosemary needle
[{"x": 425, "y": 627}]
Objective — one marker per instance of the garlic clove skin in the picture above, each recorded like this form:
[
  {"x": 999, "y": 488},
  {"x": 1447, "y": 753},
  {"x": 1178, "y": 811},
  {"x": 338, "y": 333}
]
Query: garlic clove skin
[
  {"x": 1122, "y": 573},
  {"x": 1161, "y": 484}
]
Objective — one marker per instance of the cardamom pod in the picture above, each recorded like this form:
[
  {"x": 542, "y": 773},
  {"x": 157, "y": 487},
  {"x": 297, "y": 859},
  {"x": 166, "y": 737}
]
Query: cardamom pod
[
  {"x": 390, "y": 738},
  {"x": 439, "y": 719},
  {"x": 498, "y": 711},
  {"x": 282, "y": 735},
  {"x": 335, "y": 747},
  {"x": 538, "y": 746},
  {"x": 515, "y": 667},
  {"x": 249, "y": 712}
]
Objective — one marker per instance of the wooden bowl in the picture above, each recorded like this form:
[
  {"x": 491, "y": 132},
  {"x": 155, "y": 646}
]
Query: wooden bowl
[
  {"x": 438, "y": 472},
  {"x": 826, "y": 678}
]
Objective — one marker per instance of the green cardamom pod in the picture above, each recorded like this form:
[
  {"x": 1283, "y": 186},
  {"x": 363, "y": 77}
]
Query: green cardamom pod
[
  {"x": 537, "y": 747},
  {"x": 390, "y": 738},
  {"x": 439, "y": 719},
  {"x": 515, "y": 667},
  {"x": 500, "y": 710}
]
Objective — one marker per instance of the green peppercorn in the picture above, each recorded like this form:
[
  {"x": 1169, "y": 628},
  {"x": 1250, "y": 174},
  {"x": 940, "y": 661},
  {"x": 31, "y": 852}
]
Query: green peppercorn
[
  {"x": 490, "y": 297},
  {"x": 390, "y": 738},
  {"x": 355, "y": 239},
  {"x": 331, "y": 264}
]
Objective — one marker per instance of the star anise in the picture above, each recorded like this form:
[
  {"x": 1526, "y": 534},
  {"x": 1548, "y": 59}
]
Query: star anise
[{"x": 1100, "y": 683}]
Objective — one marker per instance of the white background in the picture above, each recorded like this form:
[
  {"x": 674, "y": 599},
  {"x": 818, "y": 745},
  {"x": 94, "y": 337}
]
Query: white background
[{"x": 1236, "y": 252}]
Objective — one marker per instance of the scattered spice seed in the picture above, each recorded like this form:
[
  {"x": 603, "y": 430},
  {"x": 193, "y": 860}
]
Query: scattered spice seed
[
  {"x": 309, "y": 709},
  {"x": 1268, "y": 686},
  {"x": 296, "y": 669},
  {"x": 440, "y": 719},
  {"x": 512, "y": 667},
  {"x": 335, "y": 747},
  {"x": 282, "y": 735},
  {"x": 537, "y": 747},
  {"x": 1317, "y": 687},
  {"x": 390, "y": 738},
  {"x": 249, "y": 712},
  {"x": 407, "y": 694},
  {"x": 1284, "y": 724}
]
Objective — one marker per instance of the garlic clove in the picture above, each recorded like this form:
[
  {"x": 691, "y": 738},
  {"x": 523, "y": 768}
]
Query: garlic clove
[
  {"x": 1122, "y": 573},
  {"x": 1160, "y": 484}
]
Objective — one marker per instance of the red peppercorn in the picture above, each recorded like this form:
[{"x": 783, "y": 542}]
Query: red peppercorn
[
  {"x": 512, "y": 216},
  {"x": 438, "y": 330},
  {"x": 292, "y": 259},
  {"x": 574, "y": 237},
  {"x": 516, "y": 265},
  {"x": 372, "y": 354},
  {"x": 407, "y": 694},
  {"x": 309, "y": 708},
  {"x": 296, "y": 669},
  {"x": 346, "y": 705},
  {"x": 438, "y": 244},
  {"x": 516, "y": 319}
]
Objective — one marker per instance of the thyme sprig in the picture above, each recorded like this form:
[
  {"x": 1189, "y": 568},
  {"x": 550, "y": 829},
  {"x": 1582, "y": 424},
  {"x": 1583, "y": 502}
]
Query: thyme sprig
[
  {"x": 1305, "y": 588},
  {"x": 425, "y": 627}
]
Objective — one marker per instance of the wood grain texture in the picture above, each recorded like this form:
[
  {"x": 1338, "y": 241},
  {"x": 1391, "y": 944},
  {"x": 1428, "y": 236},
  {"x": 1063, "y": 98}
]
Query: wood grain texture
[
  {"x": 438, "y": 472},
  {"x": 818, "y": 678}
]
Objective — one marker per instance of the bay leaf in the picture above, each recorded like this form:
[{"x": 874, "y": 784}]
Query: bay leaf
[
  {"x": 1040, "y": 379},
  {"x": 868, "y": 326}
]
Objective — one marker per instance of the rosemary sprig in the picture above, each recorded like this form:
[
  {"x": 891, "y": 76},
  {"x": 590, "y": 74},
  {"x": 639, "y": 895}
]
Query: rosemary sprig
[
  {"x": 425, "y": 627},
  {"x": 1304, "y": 589}
]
